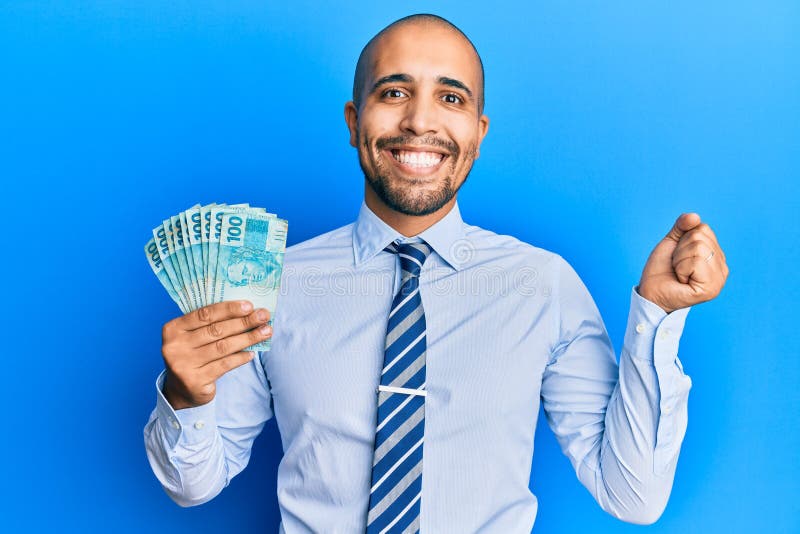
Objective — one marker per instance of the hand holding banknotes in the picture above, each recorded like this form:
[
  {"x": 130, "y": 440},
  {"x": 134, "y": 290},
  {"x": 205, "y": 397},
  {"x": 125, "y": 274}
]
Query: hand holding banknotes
[
  {"x": 203, "y": 345},
  {"x": 221, "y": 264}
]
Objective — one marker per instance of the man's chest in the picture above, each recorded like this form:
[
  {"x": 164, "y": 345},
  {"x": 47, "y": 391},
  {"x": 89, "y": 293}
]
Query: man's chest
[{"x": 485, "y": 354}]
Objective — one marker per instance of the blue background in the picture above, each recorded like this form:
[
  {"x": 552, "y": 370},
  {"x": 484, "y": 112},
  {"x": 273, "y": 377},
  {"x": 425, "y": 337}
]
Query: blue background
[{"x": 608, "y": 120}]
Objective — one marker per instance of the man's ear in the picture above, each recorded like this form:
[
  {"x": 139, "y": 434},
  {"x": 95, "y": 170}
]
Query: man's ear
[
  {"x": 483, "y": 129},
  {"x": 351, "y": 118}
]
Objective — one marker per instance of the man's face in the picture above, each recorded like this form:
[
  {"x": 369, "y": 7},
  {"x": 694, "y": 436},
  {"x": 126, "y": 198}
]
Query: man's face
[{"x": 419, "y": 128}]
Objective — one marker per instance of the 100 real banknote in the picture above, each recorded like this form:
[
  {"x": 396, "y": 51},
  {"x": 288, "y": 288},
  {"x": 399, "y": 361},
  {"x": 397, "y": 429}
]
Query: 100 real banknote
[{"x": 218, "y": 252}]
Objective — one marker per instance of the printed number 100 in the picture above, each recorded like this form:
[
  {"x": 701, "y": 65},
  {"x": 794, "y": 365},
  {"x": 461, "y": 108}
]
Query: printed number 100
[{"x": 234, "y": 228}]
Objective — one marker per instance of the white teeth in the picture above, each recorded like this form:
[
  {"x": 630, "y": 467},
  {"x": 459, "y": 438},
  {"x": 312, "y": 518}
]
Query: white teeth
[{"x": 417, "y": 159}]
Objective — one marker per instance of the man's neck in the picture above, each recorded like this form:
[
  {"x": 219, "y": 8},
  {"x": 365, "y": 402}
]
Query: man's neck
[{"x": 408, "y": 225}]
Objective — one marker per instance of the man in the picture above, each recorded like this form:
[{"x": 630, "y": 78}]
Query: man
[{"x": 411, "y": 349}]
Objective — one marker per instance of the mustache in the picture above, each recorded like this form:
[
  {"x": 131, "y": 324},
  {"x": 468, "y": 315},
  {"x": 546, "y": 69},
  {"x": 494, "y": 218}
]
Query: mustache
[{"x": 385, "y": 142}]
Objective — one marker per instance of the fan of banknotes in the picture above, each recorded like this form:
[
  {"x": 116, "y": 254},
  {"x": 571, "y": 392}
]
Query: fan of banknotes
[{"x": 220, "y": 252}]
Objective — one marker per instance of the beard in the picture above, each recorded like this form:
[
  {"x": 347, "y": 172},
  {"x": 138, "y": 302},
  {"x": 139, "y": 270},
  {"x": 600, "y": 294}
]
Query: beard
[{"x": 411, "y": 197}]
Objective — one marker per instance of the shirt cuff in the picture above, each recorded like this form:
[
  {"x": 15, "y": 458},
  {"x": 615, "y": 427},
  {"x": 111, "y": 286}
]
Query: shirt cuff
[
  {"x": 653, "y": 334},
  {"x": 186, "y": 426}
]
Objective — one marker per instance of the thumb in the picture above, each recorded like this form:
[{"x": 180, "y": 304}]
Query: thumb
[{"x": 684, "y": 223}]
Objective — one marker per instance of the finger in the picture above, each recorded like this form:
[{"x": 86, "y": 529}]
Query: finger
[
  {"x": 214, "y": 312},
  {"x": 232, "y": 344},
  {"x": 706, "y": 230},
  {"x": 692, "y": 267},
  {"x": 698, "y": 246},
  {"x": 214, "y": 369},
  {"x": 222, "y": 329},
  {"x": 684, "y": 223}
]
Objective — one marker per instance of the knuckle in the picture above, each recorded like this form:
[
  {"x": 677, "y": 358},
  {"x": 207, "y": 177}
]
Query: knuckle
[
  {"x": 247, "y": 322},
  {"x": 208, "y": 391},
  {"x": 214, "y": 330},
  {"x": 684, "y": 265},
  {"x": 204, "y": 314},
  {"x": 695, "y": 238},
  {"x": 680, "y": 260},
  {"x": 166, "y": 330},
  {"x": 221, "y": 346},
  {"x": 168, "y": 351}
]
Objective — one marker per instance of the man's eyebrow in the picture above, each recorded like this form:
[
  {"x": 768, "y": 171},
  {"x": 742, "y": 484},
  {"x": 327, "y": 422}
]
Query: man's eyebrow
[
  {"x": 405, "y": 78},
  {"x": 452, "y": 82},
  {"x": 392, "y": 78}
]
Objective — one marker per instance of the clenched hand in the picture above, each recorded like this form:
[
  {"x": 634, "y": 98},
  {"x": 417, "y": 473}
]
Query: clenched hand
[
  {"x": 203, "y": 345},
  {"x": 686, "y": 267}
]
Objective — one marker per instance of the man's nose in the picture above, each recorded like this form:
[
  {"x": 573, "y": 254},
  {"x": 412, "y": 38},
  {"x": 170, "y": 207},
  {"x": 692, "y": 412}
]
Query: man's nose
[{"x": 421, "y": 117}]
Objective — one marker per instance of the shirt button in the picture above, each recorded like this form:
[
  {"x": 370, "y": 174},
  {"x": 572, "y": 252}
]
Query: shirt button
[
  {"x": 667, "y": 410},
  {"x": 175, "y": 424},
  {"x": 640, "y": 328},
  {"x": 199, "y": 425},
  {"x": 664, "y": 333}
]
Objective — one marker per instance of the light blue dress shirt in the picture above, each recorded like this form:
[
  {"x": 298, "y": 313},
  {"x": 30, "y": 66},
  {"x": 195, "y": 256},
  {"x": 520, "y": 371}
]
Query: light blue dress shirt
[{"x": 508, "y": 325}]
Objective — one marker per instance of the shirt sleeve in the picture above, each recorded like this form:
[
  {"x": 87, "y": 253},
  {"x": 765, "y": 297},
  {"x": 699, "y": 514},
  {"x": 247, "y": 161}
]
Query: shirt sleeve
[
  {"x": 195, "y": 452},
  {"x": 620, "y": 426}
]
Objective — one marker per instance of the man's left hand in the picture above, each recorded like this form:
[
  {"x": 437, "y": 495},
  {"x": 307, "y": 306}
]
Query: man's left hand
[{"x": 687, "y": 267}]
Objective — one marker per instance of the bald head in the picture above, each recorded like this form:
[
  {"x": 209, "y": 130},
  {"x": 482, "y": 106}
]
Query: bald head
[{"x": 366, "y": 58}]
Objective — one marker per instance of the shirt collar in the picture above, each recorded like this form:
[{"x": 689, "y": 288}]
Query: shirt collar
[{"x": 371, "y": 235}]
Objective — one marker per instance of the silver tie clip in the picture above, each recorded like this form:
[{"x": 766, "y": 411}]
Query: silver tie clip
[{"x": 392, "y": 389}]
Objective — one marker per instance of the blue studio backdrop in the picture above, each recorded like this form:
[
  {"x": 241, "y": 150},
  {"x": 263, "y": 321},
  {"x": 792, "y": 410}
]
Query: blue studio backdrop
[{"x": 607, "y": 121}]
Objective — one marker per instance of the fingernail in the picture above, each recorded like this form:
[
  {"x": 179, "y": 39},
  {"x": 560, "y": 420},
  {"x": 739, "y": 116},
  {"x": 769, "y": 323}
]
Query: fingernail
[
  {"x": 246, "y": 306},
  {"x": 266, "y": 329},
  {"x": 261, "y": 315}
]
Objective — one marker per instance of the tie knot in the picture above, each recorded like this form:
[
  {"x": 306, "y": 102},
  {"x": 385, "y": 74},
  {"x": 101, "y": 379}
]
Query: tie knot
[{"x": 412, "y": 256}]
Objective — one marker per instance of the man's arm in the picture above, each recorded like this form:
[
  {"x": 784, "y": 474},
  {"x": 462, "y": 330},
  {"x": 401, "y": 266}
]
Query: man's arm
[
  {"x": 195, "y": 452},
  {"x": 621, "y": 427},
  {"x": 222, "y": 398}
]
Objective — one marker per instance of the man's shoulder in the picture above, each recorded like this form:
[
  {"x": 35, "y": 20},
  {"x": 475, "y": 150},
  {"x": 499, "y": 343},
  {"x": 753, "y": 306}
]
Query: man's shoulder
[{"x": 493, "y": 244}]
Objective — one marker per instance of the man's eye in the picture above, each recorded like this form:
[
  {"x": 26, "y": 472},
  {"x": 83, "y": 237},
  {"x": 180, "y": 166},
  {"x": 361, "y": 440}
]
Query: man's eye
[
  {"x": 393, "y": 93},
  {"x": 452, "y": 98}
]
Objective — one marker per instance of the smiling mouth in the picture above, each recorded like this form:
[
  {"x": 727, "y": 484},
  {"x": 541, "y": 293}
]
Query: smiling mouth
[{"x": 417, "y": 162}]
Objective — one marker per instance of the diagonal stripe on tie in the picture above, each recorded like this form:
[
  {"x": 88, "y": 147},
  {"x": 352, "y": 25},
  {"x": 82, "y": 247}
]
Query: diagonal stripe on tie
[
  {"x": 403, "y": 380},
  {"x": 402, "y": 303},
  {"x": 399, "y": 343},
  {"x": 386, "y": 412},
  {"x": 399, "y": 434},
  {"x": 399, "y": 488},
  {"x": 414, "y": 344},
  {"x": 406, "y": 306},
  {"x": 399, "y": 460},
  {"x": 396, "y": 487},
  {"x": 412, "y": 319}
]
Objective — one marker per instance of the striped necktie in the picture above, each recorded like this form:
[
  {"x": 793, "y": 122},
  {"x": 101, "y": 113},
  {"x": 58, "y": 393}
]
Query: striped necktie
[{"x": 395, "y": 495}]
